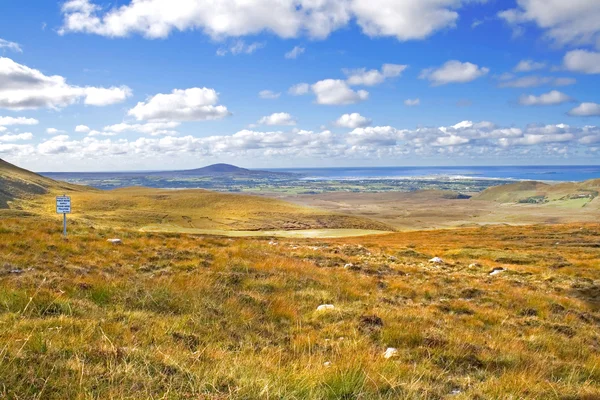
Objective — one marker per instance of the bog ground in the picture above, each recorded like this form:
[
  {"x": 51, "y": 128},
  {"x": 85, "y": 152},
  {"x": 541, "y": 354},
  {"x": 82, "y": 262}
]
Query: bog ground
[{"x": 189, "y": 316}]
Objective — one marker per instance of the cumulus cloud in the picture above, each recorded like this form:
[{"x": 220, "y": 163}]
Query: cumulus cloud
[
  {"x": 53, "y": 131},
  {"x": 278, "y": 119},
  {"x": 240, "y": 47},
  {"x": 5, "y": 44},
  {"x": 194, "y": 104},
  {"x": 337, "y": 92},
  {"x": 547, "y": 99},
  {"x": 453, "y": 72},
  {"x": 268, "y": 94},
  {"x": 564, "y": 22},
  {"x": 7, "y": 121},
  {"x": 82, "y": 129},
  {"x": 535, "y": 81},
  {"x": 582, "y": 61},
  {"x": 586, "y": 110},
  {"x": 294, "y": 53},
  {"x": 412, "y": 102},
  {"x": 23, "y": 88},
  {"x": 150, "y": 128},
  {"x": 405, "y": 20},
  {"x": 353, "y": 121},
  {"x": 463, "y": 139},
  {"x": 373, "y": 77},
  {"x": 299, "y": 89},
  {"x": 529, "y": 65},
  {"x": 16, "y": 137}
]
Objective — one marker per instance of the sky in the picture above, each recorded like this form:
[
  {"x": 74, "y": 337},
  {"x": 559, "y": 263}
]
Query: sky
[{"x": 93, "y": 85}]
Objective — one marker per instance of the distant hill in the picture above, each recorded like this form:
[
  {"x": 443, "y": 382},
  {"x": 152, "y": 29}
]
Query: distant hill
[
  {"x": 221, "y": 170},
  {"x": 18, "y": 183},
  {"x": 572, "y": 193}
]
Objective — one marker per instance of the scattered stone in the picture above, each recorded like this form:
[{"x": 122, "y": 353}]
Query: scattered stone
[
  {"x": 15, "y": 271},
  {"x": 390, "y": 352},
  {"x": 496, "y": 271},
  {"x": 325, "y": 307},
  {"x": 392, "y": 258},
  {"x": 272, "y": 243},
  {"x": 349, "y": 265},
  {"x": 474, "y": 265},
  {"x": 115, "y": 241},
  {"x": 455, "y": 392},
  {"x": 436, "y": 260},
  {"x": 327, "y": 363}
]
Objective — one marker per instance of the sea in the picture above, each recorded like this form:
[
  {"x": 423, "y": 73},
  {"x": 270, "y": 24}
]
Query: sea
[{"x": 517, "y": 173}]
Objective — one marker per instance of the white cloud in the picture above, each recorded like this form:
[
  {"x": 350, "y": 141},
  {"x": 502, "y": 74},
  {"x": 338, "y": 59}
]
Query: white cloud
[
  {"x": 373, "y": 77},
  {"x": 452, "y": 140},
  {"x": 547, "y": 99},
  {"x": 194, "y": 104},
  {"x": 105, "y": 97},
  {"x": 412, "y": 102},
  {"x": 53, "y": 131},
  {"x": 6, "y": 121},
  {"x": 566, "y": 22},
  {"x": 583, "y": 61},
  {"x": 375, "y": 136},
  {"x": 405, "y": 20},
  {"x": 529, "y": 65},
  {"x": 535, "y": 81},
  {"x": 5, "y": 44},
  {"x": 82, "y": 129},
  {"x": 150, "y": 128},
  {"x": 453, "y": 72},
  {"x": 586, "y": 110},
  {"x": 16, "y": 137},
  {"x": 353, "y": 121},
  {"x": 294, "y": 53},
  {"x": 278, "y": 119},
  {"x": 240, "y": 47},
  {"x": 268, "y": 94},
  {"x": 101, "y": 133},
  {"x": 23, "y": 88},
  {"x": 337, "y": 92},
  {"x": 299, "y": 89}
]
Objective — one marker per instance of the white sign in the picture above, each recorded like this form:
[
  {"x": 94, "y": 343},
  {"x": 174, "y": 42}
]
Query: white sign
[{"x": 63, "y": 205}]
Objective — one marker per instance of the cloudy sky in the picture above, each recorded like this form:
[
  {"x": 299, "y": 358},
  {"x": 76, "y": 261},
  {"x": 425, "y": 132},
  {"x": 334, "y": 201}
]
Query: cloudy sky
[{"x": 166, "y": 84}]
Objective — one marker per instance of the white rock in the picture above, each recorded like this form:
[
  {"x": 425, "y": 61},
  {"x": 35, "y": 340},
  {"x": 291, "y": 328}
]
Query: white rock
[
  {"x": 115, "y": 241},
  {"x": 497, "y": 271},
  {"x": 325, "y": 307},
  {"x": 436, "y": 260},
  {"x": 272, "y": 243},
  {"x": 474, "y": 265},
  {"x": 327, "y": 363},
  {"x": 390, "y": 352},
  {"x": 349, "y": 265}
]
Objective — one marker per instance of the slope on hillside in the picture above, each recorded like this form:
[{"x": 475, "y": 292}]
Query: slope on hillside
[
  {"x": 190, "y": 210},
  {"x": 18, "y": 183},
  {"x": 566, "y": 193}
]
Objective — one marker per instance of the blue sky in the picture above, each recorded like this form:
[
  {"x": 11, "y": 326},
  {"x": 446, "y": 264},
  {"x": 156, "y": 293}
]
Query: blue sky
[{"x": 159, "y": 84}]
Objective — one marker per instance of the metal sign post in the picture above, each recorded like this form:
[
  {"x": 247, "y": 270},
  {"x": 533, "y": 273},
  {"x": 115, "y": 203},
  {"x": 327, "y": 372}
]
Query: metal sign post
[{"x": 63, "y": 206}]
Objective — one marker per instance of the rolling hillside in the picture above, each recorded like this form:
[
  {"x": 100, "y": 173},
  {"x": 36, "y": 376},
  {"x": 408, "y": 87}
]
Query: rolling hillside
[
  {"x": 570, "y": 194},
  {"x": 169, "y": 210},
  {"x": 18, "y": 183}
]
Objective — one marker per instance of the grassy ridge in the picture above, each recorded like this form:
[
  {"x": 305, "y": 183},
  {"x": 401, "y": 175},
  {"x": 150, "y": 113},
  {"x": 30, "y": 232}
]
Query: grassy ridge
[{"x": 177, "y": 316}]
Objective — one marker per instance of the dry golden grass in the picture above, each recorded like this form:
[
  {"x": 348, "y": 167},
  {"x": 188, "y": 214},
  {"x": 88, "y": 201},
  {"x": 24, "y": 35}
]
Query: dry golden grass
[{"x": 183, "y": 316}]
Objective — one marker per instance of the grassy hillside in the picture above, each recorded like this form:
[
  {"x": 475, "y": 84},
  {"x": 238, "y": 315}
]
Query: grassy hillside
[
  {"x": 178, "y": 316},
  {"x": 567, "y": 194},
  {"x": 17, "y": 183},
  {"x": 155, "y": 209}
]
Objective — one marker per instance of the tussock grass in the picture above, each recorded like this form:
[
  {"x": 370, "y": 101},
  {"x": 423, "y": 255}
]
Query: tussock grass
[{"x": 188, "y": 316}]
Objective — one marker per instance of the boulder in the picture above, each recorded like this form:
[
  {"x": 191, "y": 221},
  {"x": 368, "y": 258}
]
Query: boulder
[
  {"x": 497, "y": 271},
  {"x": 390, "y": 352}
]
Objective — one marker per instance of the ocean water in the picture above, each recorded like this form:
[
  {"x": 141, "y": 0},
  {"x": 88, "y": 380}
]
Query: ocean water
[{"x": 518, "y": 173}]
